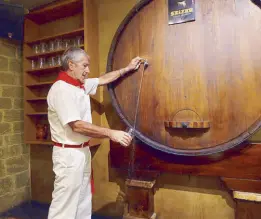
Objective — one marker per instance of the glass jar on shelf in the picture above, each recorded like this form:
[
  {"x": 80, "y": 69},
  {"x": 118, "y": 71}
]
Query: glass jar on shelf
[
  {"x": 51, "y": 61},
  {"x": 77, "y": 41},
  {"x": 66, "y": 43},
  {"x": 58, "y": 44},
  {"x": 59, "y": 60},
  {"x": 41, "y": 62},
  {"x": 43, "y": 47},
  {"x": 36, "y": 48},
  {"x": 51, "y": 45},
  {"x": 33, "y": 64}
]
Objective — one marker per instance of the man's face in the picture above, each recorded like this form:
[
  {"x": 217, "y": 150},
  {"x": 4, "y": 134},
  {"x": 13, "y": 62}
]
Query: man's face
[{"x": 80, "y": 69}]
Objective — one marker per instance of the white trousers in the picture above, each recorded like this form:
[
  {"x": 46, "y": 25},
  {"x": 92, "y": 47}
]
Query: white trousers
[{"x": 72, "y": 197}]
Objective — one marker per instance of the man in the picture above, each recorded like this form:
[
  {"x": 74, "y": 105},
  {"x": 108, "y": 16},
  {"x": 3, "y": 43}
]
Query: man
[{"x": 69, "y": 115}]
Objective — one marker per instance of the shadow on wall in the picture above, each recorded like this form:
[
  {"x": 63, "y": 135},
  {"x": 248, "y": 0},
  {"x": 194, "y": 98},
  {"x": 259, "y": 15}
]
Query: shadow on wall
[
  {"x": 196, "y": 184},
  {"x": 175, "y": 184}
]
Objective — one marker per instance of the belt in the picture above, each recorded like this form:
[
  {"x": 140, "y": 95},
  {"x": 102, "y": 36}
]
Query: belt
[{"x": 85, "y": 144}]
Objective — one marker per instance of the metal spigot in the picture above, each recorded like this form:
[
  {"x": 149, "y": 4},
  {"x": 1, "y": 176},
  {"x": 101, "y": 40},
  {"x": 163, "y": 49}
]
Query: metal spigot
[{"x": 145, "y": 62}]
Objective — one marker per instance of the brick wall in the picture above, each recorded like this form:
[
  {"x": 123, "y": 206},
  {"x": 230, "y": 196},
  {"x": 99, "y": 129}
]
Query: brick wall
[{"x": 14, "y": 154}]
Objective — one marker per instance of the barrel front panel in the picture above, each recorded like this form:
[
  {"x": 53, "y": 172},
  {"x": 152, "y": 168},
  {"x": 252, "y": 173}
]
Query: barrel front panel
[{"x": 207, "y": 70}]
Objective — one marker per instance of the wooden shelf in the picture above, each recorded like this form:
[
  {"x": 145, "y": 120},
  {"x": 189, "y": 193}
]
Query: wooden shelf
[
  {"x": 48, "y": 54},
  {"x": 37, "y": 99},
  {"x": 41, "y": 84},
  {"x": 76, "y": 32},
  {"x": 42, "y": 70},
  {"x": 54, "y": 12},
  {"x": 61, "y": 19},
  {"x": 37, "y": 114},
  {"x": 40, "y": 142}
]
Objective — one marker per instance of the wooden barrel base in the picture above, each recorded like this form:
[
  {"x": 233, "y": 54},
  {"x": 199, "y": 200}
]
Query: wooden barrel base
[
  {"x": 140, "y": 199},
  {"x": 154, "y": 216}
]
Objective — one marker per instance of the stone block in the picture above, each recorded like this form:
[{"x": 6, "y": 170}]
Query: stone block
[
  {"x": 7, "y": 185},
  {"x": 25, "y": 148},
  {"x": 18, "y": 103},
  {"x": 1, "y": 141},
  {"x": 12, "y": 91},
  {"x": 13, "y": 116},
  {"x": 8, "y": 79},
  {"x": 18, "y": 127},
  {"x": 5, "y": 103},
  {"x": 19, "y": 79},
  {"x": 22, "y": 179},
  {"x": 3, "y": 152},
  {"x": 13, "y": 199},
  {"x": 17, "y": 164},
  {"x": 19, "y": 52},
  {"x": 15, "y": 65},
  {"x": 3, "y": 63},
  {"x": 13, "y": 139},
  {"x": 2, "y": 169},
  {"x": 5, "y": 128},
  {"x": 14, "y": 150},
  {"x": 7, "y": 49}
]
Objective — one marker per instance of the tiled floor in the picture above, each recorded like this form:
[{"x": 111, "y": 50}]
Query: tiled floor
[{"x": 34, "y": 210}]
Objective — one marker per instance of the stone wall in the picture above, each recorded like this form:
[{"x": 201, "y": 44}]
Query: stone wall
[{"x": 14, "y": 154}]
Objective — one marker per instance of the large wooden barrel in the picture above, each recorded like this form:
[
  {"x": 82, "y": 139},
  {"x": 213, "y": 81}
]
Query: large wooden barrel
[{"x": 201, "y": 92}]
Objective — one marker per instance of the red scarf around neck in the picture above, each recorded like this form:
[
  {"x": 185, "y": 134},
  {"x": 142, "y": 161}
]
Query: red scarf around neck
[{"x": 63, "y": 76}]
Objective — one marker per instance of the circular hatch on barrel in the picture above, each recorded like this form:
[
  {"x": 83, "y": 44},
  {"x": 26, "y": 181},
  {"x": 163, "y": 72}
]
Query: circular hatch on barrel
[{"x": 201, "y": 92}]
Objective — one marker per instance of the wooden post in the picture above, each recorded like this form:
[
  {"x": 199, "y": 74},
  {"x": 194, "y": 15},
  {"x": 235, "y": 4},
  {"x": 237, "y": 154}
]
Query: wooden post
[
  {"x": 247, "y": 196},
  {"x": 140, "y": 199}
]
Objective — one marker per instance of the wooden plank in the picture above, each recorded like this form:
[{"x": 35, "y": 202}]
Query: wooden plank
[
  {"x": 91, "y": 46},
  {"x": 244, "y": 163},
  {"x": 243, "y": 185},
  {"x": 187, "y": 124},
  {"x": 48, "y": 54},
  {"x": 40, "y": 84},
  {"x": 56, "y": 11},
  {"x": 76, "y": 32}
]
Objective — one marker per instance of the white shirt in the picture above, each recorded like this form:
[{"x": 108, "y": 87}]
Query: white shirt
[{"x": 68, "y": 103}]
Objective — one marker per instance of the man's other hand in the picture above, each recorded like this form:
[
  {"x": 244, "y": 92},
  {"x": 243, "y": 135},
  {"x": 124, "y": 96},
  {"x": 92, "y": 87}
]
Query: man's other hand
[{"x": 121, "y": 137}]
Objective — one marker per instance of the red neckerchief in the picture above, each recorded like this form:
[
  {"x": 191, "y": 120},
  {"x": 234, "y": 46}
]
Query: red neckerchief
[{"x": 63, "y": 76}]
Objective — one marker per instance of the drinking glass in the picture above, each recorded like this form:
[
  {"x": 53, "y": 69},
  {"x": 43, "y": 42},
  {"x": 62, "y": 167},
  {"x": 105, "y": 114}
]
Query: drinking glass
[
  {"x": 52, "y": 45},
  {"x": 78, "y": 40},
  {"x": 42, "y": 62},
  {"x": 51, "y": 61},
  {"x": 58, "y": 44},
  {"x": 66, "y": 43},
  {"x": 43, "y": 47},
  {"x": 58, "y": 60},
  {"x": 130, "y": 131},
  {"x": 33, "y": 64},
  {"x": 36, "y": 48}
]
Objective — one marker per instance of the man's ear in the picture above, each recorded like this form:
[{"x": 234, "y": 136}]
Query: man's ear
[{"x": 70, "y": 65}]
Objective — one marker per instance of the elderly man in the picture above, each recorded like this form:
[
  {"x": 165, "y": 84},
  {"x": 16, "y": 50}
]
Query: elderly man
[{"x": 69, "y": 115}]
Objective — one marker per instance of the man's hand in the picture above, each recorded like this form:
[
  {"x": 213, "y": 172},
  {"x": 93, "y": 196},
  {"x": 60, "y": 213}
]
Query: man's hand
[
  {"x": 114, "y": 75},
  {"x": 121, "y": 137},
  {"x": 134, "y": 64}
]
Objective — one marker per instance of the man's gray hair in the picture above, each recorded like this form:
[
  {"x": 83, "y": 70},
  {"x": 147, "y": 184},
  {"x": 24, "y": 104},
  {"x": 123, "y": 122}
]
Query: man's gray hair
[{"x": 73, "y": 54}]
